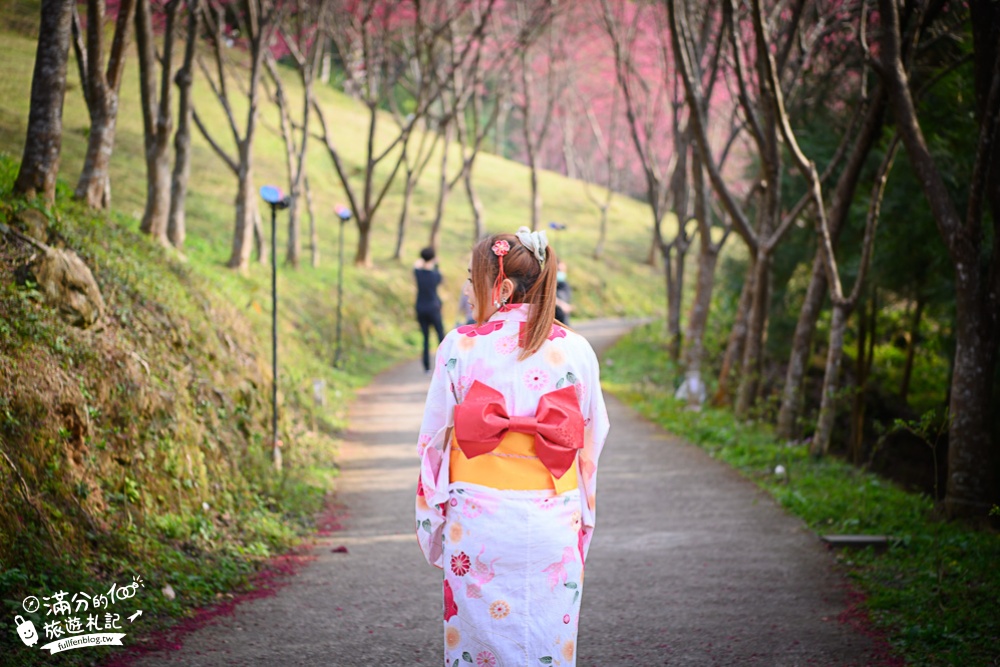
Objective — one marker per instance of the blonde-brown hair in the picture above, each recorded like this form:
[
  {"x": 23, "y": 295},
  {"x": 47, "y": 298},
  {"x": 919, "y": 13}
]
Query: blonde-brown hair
[{"x": 533, "y": 284}]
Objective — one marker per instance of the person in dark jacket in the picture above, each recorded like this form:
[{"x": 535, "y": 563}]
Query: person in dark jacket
[
  {"x": 564, "y": 295},
  {"x": 428, "y": 306}
]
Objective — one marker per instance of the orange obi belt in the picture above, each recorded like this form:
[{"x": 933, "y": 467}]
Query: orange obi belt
[{"x": 517, "y": 453}]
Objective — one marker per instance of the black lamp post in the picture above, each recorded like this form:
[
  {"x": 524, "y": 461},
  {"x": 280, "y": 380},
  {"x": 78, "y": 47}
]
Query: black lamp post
[
  {"x": 277, "y": 199},
  {"x": 344, "y": 214}
]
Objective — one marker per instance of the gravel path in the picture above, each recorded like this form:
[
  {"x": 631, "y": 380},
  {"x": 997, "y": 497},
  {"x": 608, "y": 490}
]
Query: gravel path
[{"x": 690, "y": 564}]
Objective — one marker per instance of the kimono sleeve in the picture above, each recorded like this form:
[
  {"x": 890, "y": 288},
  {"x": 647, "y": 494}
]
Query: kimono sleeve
[
  {"x": 433, "y": 449},
  {"x": 596, "y": 429}
]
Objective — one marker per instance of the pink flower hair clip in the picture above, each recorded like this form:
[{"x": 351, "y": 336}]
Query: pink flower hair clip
[{"x": 500, "y": 248}]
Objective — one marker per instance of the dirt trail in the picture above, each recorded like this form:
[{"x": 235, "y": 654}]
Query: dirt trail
[{"x": 690, "y": 564}]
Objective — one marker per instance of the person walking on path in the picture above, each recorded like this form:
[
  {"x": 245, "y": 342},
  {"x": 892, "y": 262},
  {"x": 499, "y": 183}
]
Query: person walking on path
[
  {"x": 428, "y": 306},
  {"x": 513, "y": 428}
]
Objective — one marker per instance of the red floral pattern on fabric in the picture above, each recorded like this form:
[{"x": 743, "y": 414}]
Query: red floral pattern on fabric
[
  {"x": 471, "y": 330},
  {"x": 450, "y": 607},
  {"x": 556, "y": 332},
  {"x": 461, "y": 564}
]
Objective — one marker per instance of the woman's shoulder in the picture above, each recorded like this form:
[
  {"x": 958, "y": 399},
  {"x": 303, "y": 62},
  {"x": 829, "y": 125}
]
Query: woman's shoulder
[
  {"x": 574, "y": 343},
  {"x": 450, "y": 339},
  {"x": 571, "y": 336}
]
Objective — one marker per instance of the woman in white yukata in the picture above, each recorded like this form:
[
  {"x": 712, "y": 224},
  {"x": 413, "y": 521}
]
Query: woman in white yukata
[{"x": 513, "y": 427}]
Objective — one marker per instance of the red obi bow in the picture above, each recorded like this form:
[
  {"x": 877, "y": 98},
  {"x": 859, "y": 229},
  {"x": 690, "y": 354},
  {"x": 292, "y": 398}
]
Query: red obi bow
[{"x": 481, "y": 422}]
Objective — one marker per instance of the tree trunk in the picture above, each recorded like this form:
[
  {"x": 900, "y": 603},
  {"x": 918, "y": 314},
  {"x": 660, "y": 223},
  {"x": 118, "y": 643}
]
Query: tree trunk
[
  {"x": 668, "y": 276},
  {"x": 313, "y": 232},
  {"x": 529, "y": 143},
  {"x": 971, "y": 467},
  {"x": 295, "y": 166},
  {"x": 43, "y": 143},
  {"x": 444, "y": 187},
  {"x": 798, "y": 360},
  {"x": 737, "y": 340},
  {"x": 694, "y": 340},
  {"x": 693, "y": 389},
  {"x": 970, "y": 487},
  {"x": 243, "y": 232},
  {"x": 746, "y": 394},
  {"x": 843, "y": 195},
  {"x": 478, "y": 212},
  {"x": 860, "y": 366},
  {"x": 156, "y": 217},
  {"x": 865, "y": 359},
  {"x": 404, "y": 215},
  {"x": 177, "y": 224},
  {"x": 500, "y": 129},
  {"x": 602, "y": 233},
  {"x": 157, "y": 119},
  {"x": 820, "y": 444},
  {"x": 653, "y": 244},
  {"x": 536, "y": 196},
  {"x": 675, "y": 297},
  {"x": 911, "y": 348},
  {"x": 567, "y": 151},
  {"x": 94, "y": 186},
  {"x": 294, "y": 249},
  {"x": 299, "y": 173},
  {"x": 361, "y": 257},
  {"x": 245, "y": 195}
]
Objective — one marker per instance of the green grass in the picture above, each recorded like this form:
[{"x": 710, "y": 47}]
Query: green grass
[{"x": 935, "y": 592}]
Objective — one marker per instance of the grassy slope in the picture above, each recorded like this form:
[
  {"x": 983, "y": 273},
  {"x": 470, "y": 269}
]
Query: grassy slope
[
  {"x": 134, "y": 447},
  {"x": 156, "y": 445}
]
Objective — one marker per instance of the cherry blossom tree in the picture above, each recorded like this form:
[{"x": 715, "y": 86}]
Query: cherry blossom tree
[
  {"x": 371, "y": 32},
  {"x": 645, "y": 73},
  {"x": 767, "y": 59},
  {"x": 256, "y": 22},
  {"x": 299, "y": 35}
]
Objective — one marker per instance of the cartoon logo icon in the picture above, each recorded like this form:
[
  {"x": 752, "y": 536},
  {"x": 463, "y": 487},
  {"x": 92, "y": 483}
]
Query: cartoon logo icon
[
  {"x": 30, "y": 604},
  {"x": 26, "y": 629}
]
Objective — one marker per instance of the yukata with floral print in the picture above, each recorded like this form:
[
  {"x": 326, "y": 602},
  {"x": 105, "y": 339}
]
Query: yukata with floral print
[{"x": 513, "y": 560}]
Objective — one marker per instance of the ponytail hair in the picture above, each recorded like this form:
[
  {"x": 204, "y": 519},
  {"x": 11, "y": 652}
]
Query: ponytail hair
[{"x": 533, "y": 284}]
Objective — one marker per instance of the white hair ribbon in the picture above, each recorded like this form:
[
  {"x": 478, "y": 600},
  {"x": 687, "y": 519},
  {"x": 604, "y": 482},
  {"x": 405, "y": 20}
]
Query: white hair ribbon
[{"x": 536, "y": 242}]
